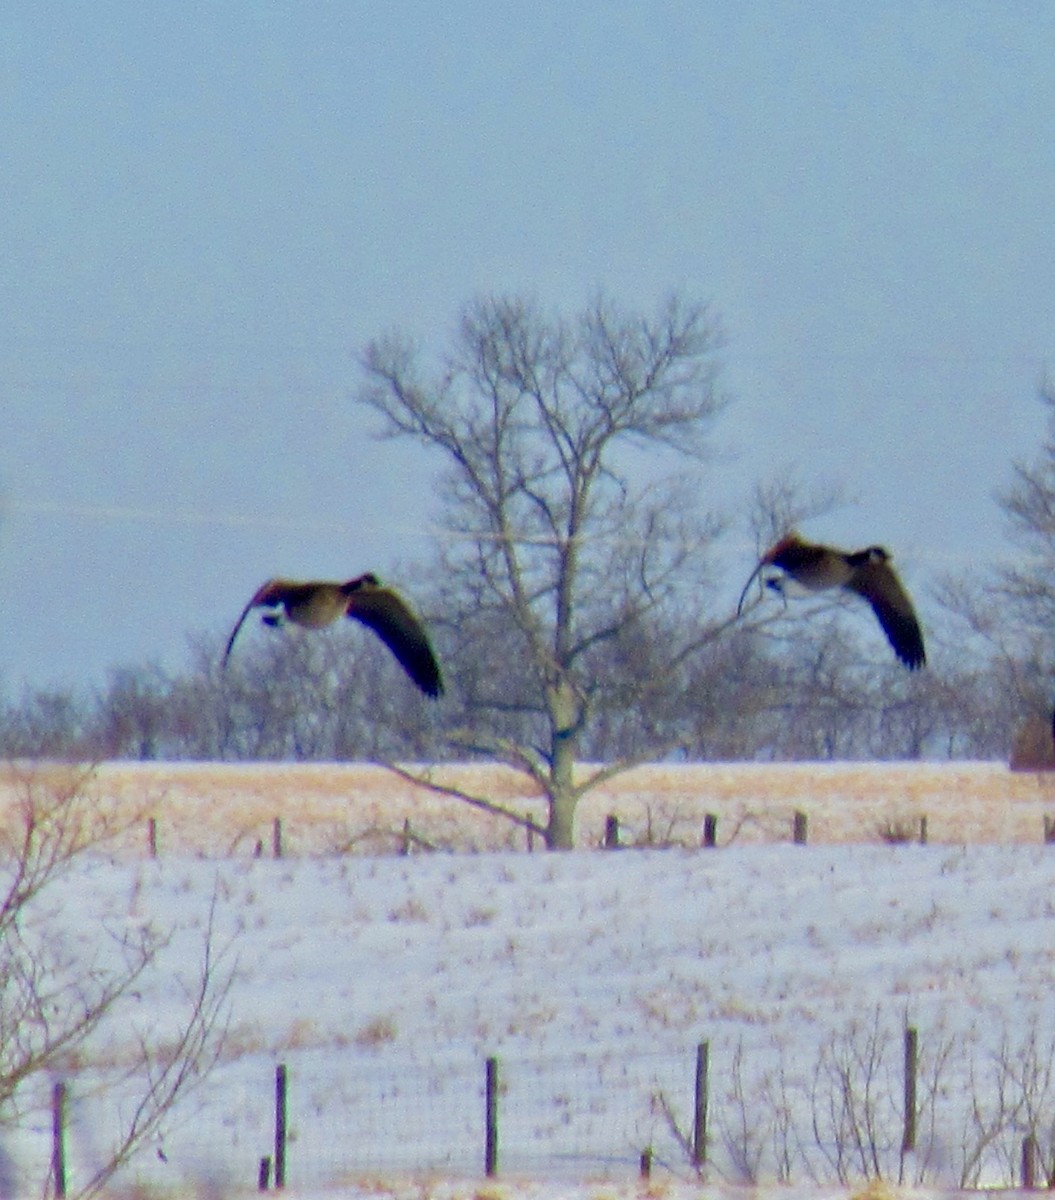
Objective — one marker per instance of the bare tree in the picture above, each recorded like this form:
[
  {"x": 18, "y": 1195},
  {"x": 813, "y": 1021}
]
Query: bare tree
[
  {"x": 566, "y": 526},
  {"x": 131, "y": 713},
  {"x": 46, "y": 723},
  {"x": 1029, "y": 505},
  {"x": 55, "y": 992},
  {"x": 1008, "y": 613}
]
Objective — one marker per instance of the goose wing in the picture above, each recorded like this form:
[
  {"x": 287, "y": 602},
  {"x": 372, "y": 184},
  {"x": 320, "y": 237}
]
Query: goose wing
[
  {"x": 878, "y": 583},
  {"x": 387, "y": 614}
]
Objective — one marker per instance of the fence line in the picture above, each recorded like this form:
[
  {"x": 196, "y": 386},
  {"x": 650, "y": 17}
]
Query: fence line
[
  {"x": 852, "y": 1115},
  {"x": 406, "y": 840}
]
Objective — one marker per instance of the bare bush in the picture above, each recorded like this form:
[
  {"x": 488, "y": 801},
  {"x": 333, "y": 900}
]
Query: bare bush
[
  {"x": 1012, "y": 1099},
  {"x": 899, "y": 831},
  {"x": 842, "y": 1119},
  {"x": 746, "y": 1123},
  {"x": 854, "y": 1113},
  {"x": 57, "y": 990}
]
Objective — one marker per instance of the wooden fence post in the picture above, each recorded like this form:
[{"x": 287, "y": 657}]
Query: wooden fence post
[
  {"x": 276, "y": 838},
  {"x": 799, "y": 829},
  {"x": 1029, "y": 1161},
  {"x": 1049, "y": 829},
  {"x": 263, "y": 1177},
  {"x": 280, "y": 1125},
  {"x": 152, "y": 836},
  {"x": 699, "y": 1128},
  {"x": 923, "y": 830},
  {"x": 58, "y": 1138},
  {"x": 710, "y": 830},
  {"x": 908, "y": 1139},
  {"x": 611, "y": 832},
  {"x": 491, "y": 1117},
  {"x": 645, "y": 1163}
]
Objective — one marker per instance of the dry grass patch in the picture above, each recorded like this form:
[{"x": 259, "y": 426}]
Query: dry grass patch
[
  {"x": 378, "y": 1032},
  {"x": 228, "y": 810}
]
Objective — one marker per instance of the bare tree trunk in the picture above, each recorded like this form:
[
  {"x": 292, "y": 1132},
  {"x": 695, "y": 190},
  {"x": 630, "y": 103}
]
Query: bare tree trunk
[{"x": 563, "y": 798}]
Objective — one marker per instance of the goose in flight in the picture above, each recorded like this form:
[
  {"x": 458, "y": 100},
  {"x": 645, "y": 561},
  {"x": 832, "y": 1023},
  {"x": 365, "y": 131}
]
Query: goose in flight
[
  {"x": 314, "y": 605},
  {"x": 867, "y": 573}
]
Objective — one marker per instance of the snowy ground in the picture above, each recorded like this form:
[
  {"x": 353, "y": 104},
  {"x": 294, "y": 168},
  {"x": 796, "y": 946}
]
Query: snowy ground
[{"x": 383, "y": 983}]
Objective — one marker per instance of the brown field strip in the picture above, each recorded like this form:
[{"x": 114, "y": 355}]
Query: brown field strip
[{"x": 216, "y": 810}]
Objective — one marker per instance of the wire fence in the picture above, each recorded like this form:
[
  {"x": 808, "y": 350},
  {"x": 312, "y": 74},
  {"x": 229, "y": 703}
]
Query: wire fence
[
  {"x": 551, "y": 1118},
  {"x": 876, "y": 1101}
]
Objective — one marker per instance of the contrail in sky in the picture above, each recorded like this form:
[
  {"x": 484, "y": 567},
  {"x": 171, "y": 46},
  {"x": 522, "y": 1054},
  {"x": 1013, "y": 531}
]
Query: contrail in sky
[
  {"x": 177, "y": 516},
  {"x": 206, "y": 516}
]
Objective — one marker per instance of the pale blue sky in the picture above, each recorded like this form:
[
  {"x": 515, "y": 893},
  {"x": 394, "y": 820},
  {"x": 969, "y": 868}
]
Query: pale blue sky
[{"x": 207, "y": 209}]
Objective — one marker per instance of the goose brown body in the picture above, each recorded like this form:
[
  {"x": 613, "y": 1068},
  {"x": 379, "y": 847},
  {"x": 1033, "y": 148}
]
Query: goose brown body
[
  {"x": 316, "y": 604},
  {"x": 867, "y": 573}
]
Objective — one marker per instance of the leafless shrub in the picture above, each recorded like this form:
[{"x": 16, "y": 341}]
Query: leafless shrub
[
  {"x": 900, "y": 831},
  {"x": 1013, "y": 1099},
  {"x": 660, "y": 831},
  {"x": 679, "y": 1132},
  {"x": 744, "y": 1124},
  {"x": 854, "y": 1108},
  {"x": 170, "y": 1072},
  {"x": 55, "y": 992},
  {"x": 844, "y": 1120}
]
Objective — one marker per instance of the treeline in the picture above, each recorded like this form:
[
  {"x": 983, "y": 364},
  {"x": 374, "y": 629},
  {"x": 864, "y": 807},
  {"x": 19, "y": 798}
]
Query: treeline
[{"x": 799, "y": 688}]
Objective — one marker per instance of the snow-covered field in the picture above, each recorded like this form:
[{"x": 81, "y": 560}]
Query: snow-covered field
[{"x": 384, "y": 982}]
